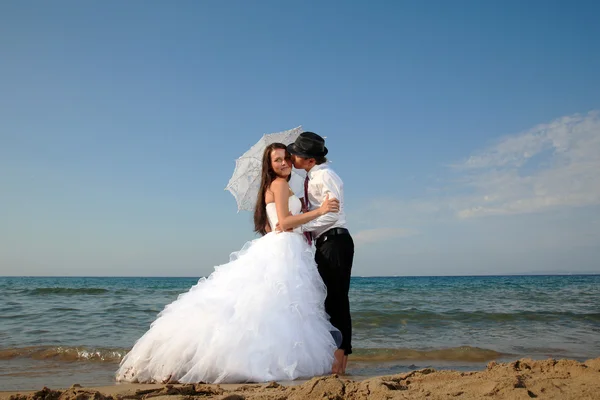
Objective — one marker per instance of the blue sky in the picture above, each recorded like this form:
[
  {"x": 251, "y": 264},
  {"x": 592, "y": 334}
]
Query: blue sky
[{"x": 467, "y": 133}]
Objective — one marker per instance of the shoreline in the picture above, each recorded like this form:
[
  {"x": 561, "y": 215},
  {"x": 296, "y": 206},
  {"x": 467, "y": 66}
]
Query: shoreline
[{"x": 524, "y": 378}]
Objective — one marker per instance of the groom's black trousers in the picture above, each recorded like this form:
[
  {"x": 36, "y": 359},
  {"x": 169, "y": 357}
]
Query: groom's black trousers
[{"x": 334, "y": 256}]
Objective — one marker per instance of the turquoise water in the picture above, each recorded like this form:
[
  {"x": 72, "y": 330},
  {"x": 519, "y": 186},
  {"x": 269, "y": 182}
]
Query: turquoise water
[{"x": 60, "y": 331}]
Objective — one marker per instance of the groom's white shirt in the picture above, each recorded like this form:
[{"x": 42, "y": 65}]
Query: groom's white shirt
[{"x": 322, "y": 180}]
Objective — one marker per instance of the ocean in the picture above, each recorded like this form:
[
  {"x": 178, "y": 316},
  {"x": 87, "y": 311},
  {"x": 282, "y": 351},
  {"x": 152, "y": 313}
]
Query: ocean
[{"x": 57, "y": 331}]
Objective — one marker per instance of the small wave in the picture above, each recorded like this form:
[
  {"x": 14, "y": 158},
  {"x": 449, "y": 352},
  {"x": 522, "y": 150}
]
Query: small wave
[
  {"x": 65, "y": 291},
  {"x": 377, "y": 355},
  {"x": 366, "y": 318},
  {"x": 133, "y": 308},
  {"x": 64, "y": 353},
  {"x": 61, "y": 309},
  {"x": 463, "y": 353}
]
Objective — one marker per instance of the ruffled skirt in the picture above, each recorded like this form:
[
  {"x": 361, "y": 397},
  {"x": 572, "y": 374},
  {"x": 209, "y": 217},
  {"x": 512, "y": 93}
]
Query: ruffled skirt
[{"x": 258, "y": 318}]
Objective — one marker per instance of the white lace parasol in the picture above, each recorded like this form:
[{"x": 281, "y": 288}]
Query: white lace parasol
[{"x": 245, "y": 181}]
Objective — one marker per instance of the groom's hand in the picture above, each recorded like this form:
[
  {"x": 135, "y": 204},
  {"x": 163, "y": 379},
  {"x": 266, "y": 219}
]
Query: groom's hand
[{"x": 278, "y": 227}]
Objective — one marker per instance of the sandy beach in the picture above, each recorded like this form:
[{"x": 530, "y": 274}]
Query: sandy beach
[{"x": 522, "y": 379}]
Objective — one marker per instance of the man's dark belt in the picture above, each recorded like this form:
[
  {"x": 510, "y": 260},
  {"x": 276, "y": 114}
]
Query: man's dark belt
[{"x": 331, "y": 232}]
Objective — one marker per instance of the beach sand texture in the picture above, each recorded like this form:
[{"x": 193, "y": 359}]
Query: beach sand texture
[{"x": 522, "y": 379}]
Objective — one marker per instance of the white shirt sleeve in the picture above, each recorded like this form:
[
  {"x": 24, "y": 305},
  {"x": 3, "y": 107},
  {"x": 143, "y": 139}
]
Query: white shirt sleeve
[{"x": 329, "y": 185}]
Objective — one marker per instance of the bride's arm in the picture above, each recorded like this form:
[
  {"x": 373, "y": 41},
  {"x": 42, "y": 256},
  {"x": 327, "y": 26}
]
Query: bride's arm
[{"x": 281, "y": 192}]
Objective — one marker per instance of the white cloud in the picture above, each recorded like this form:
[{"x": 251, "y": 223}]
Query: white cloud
[
  {"x": 568, "y": 176},
  {"x": 380, "y": 234},
  {"x": 549, "y": 167},
  {"x": 545, "y": 183}
]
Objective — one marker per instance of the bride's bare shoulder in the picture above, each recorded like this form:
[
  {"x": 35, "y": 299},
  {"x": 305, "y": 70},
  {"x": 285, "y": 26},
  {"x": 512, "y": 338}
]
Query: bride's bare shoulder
[{"x": 279, "y": 185}]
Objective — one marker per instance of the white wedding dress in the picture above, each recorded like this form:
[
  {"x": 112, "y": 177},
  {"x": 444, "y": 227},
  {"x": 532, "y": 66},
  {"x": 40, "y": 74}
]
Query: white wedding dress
[{"x": 258, "y": 318}]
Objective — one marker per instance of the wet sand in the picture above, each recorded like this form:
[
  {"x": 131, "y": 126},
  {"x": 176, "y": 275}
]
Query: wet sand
[{"x": 521, "y": 379}]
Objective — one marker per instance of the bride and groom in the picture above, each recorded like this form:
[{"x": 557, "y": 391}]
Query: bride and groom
[{"x": 279, "y": 310}]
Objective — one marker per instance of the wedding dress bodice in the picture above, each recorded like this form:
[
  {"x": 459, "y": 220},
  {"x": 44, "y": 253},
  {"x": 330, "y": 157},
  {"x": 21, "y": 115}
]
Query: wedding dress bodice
[{"x": 295, "y": 207}]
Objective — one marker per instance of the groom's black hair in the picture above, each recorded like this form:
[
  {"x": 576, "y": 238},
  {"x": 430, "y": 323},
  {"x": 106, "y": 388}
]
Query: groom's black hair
[{"x": 320, "y": 160}]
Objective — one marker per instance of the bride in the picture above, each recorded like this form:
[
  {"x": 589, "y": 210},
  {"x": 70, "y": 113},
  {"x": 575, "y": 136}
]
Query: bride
[{"x": 258, "y": 318}]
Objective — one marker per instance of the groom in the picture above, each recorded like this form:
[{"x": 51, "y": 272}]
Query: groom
[{"x": 334, "y": 246}]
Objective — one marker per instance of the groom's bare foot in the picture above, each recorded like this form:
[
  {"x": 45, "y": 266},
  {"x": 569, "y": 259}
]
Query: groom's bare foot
[
  {"x": 338, "y": 362},
  {"x": 344, "y": 364}
]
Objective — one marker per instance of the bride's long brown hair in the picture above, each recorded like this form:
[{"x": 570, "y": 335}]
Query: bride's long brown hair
[{"x": 267, "y": 176}]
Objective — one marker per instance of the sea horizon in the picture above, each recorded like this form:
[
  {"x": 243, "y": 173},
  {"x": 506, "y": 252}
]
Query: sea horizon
[{"x": 353, "y": 276}]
